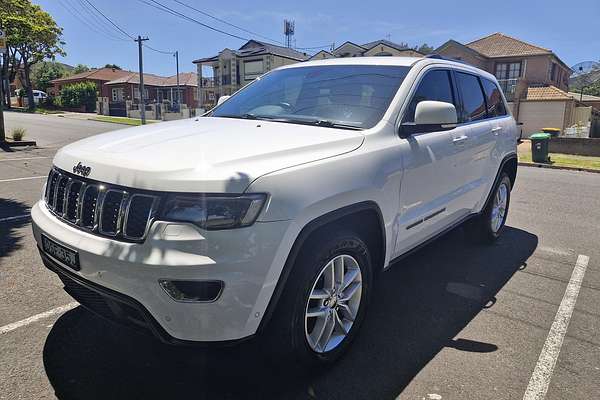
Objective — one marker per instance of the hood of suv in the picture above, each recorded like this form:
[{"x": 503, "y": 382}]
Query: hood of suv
[{"x": 219, "y": 155}]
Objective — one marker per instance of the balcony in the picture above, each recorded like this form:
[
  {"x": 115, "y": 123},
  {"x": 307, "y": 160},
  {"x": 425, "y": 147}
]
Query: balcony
[{"x": 509, "y": 87}]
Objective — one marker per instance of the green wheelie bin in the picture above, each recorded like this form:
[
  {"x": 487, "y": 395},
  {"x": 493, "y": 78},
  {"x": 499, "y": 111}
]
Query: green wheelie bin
[{"x": 539, "y": 147}]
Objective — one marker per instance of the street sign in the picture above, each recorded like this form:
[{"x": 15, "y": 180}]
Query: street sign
[{"x": 2, "y": 41}]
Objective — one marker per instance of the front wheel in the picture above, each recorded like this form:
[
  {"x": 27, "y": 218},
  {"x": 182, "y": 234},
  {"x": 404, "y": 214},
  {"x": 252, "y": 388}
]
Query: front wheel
[
  {"x": 324, "y": 301},
  {"x": 487, "y": 227}
]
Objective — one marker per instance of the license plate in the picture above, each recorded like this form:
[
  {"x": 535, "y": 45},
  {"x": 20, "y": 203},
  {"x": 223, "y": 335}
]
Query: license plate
[{"x": 67, "y": 256}]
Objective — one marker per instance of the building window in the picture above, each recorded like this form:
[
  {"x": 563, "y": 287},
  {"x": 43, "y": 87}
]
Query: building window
[
  {"x": 253, "y": 69},
  {"x": 508, "y": 70},
  {"x": 553, "y": 72},
  {"x": 117, "y": 94},
  {"x": 136, "y": 93}
]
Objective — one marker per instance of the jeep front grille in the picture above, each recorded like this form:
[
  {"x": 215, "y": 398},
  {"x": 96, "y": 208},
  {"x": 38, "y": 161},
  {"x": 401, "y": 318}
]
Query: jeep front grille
[{"x": 100, "y": 208}]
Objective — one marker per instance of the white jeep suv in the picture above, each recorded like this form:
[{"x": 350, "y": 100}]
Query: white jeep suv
[{"x": 271, "y": 215}]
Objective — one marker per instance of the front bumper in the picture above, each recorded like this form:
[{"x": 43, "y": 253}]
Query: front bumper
[{"x": 125, "y": 276}]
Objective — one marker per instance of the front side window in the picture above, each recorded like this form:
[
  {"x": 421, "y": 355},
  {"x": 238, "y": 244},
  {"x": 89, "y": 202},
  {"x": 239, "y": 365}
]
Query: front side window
[
  {"x": 495, "y": 104},
  {"x": 436, "y": 86},
  {"x": 473, "y": 103},
  {"x": 348, "y": 96}
]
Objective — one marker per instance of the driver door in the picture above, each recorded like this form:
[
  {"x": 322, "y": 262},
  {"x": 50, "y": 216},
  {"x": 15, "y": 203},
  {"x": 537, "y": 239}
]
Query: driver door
[{"x": 428, "y": 189}]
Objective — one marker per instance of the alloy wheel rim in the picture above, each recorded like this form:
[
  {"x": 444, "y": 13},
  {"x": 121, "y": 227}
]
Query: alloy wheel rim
[
  {"x": 499, "y": 207},
  {"x": 333, "y": 303}
]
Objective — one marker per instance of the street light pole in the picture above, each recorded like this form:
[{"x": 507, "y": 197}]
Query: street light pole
[
  {"x": 139, "y": 41},
  {"x": 178, "y": 93}
]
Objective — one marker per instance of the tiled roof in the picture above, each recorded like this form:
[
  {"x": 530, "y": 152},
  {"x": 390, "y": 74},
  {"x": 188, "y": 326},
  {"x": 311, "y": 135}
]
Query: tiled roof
[
  {"x": 501, "y": 45},
  {"x": 101, "y": 74},
  {"x": 546, "y": 93},
  {"x": 185, "y": 79},
  {"x": 256, "y": 48}
]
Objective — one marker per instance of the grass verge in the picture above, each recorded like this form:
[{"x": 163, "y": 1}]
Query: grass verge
[
  {"x": 119, "y": 120},
  {"x": 567, "y": 160}
]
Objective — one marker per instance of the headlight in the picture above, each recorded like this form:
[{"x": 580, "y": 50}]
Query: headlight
[{"x": 214, "y": 211}]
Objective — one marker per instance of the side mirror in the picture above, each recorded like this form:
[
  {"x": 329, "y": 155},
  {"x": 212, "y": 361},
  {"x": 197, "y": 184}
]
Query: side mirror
[
  {"x": 431, "y": 116},
  {"x": 222, "y": 100}
]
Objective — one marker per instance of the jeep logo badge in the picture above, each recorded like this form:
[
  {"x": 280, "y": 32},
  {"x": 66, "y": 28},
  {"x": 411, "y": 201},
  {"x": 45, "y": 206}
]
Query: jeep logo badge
[{"x": 82, "y": 170}]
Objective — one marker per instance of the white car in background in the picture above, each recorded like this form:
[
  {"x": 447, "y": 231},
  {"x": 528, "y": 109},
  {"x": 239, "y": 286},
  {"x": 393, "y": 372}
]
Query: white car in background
[
  {"x": 271, "y": 215},
  {"x": 39, "y": 96}
]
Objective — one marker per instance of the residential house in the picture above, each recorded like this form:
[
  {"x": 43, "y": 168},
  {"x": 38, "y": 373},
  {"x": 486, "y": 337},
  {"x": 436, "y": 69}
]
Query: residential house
[
  {"x": 99, "y": 76},
  {"x": 376, "y": 48},
  {"x": 233, "y": 69},
  {"x": 534, "y": 79},
  {"x": 157, "y": 90}
]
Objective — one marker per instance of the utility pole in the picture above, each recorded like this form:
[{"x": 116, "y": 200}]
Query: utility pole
[
  {"x": 2, "y": 133},
  {"x": 139, "y": 41},
  {"x": 178, "y": 93}
]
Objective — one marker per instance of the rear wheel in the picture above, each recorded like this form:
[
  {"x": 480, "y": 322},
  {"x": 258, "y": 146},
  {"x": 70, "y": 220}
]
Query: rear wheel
[
  {"x": 487, "y": 227},
  {"x": 324, "y": 301}
]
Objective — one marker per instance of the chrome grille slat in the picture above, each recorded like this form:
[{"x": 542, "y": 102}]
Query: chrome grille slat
[{"x": 85, "y": 205}]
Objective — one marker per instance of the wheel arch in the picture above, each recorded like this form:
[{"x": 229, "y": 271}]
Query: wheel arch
[
  {"x": 509, "y": 165},
  {"x": 344, "y": 217}
]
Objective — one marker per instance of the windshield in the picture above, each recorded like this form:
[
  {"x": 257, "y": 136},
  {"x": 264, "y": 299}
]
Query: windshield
[{"x": 341, "y": 96}]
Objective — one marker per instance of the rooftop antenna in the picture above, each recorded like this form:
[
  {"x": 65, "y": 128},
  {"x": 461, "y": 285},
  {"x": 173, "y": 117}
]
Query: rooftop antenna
[
  {"x": 388, "y": 36},
  {"x": 288, "y": 31}
]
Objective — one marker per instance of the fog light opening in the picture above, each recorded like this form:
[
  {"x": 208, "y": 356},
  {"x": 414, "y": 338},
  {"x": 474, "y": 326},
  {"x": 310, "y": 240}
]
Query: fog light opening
[{"x": 192, "y": 291}]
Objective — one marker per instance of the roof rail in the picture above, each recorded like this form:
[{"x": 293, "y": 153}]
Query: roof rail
[{"x": 440, "y": 57}]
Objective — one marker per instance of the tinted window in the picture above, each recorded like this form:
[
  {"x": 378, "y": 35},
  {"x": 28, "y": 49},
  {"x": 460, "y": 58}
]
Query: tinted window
[
  {"x": 473, "y": 103},
  {"x": 495, "y": 104},
  {"x": 436, "y": 86},
  {"x": 355, "y": 95}
]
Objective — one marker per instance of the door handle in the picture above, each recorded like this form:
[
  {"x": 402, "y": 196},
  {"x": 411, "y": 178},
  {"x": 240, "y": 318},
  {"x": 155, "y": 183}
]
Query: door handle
[
  {"x": 496, "y": 130},
  {"x": 460, "y": 139}
]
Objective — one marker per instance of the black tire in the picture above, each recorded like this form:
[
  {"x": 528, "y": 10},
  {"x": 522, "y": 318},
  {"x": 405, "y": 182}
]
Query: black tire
[
  {"x": 285, "y": 338},
  {"x": 479, "y": 229}
]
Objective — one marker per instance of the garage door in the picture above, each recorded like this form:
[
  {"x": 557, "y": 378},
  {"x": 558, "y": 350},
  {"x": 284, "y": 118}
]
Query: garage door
[{"x": 536, "y": 115}]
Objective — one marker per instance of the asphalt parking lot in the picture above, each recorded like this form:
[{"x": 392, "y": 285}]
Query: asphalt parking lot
[{"x": 452, "y": 321}]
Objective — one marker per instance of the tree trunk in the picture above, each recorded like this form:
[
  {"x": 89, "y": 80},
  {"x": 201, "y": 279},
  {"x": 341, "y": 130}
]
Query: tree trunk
[
  {"x": 4, "y": 78},
  {"x": 27, "y": 84}
]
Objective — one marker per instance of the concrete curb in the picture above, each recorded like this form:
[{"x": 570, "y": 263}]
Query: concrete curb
[
  {"x": 19, "y": 143},
  {"x": 550, "y": 166}
]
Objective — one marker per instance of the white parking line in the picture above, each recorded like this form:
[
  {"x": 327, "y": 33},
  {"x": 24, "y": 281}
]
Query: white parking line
[
  {"x": 23, "y": 179},
  {"x": 23, "y": 158},
  {"x": 58, "y": 310},
  {"x": 542, "y": 374},
  {"x": 14, "y": 218}
]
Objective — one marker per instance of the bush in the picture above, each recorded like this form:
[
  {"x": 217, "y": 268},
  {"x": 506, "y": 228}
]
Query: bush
[
  {"x": 77, "y": 95},
  {"x": 18, "y": 134}
]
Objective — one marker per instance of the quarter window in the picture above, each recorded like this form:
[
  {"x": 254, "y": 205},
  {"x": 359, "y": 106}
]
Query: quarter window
[
  {"x": 436, "y": 86},
  {"x": 473, "y": 103},
  {"x": 495, "y": 104}
]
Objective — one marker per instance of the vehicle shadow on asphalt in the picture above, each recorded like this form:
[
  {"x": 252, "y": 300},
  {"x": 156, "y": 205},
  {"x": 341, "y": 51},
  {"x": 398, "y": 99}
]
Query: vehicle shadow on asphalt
[
  {"x": 418, "y": 308},
  {"x": 10, "y": 239}
]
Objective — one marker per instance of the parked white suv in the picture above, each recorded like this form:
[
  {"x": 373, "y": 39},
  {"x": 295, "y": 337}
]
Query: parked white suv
[{"x": 272, "y": 214}]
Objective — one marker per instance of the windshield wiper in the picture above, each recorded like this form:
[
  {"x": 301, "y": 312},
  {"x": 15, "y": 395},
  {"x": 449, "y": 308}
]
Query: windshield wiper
[
  {"x": 332, "y": 124},
  {"x": 238, "y": 116}
]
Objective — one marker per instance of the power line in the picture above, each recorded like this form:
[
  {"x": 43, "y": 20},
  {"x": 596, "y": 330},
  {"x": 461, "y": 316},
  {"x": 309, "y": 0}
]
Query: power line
[
  {"x": 169, "y": 10},
  {"x": 159, "y": 51},
  {"x": 225, "y": 22},
  {"x": 96, "y": 20},
  {"x": 109, "y": 20},
  {"x": 71, "y": 10}
]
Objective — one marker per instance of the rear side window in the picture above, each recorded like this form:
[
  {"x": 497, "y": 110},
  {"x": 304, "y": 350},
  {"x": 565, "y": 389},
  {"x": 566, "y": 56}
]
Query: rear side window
[
  {"x": 436, "y": 86},
  {"x": 495, "y": 104},
  {"x": 473, "y": 102}
]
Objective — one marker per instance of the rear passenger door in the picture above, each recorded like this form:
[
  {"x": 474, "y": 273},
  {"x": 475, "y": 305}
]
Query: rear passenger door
[{"x": 473, "y": 162}]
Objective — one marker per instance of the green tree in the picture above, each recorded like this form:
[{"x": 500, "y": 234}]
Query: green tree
[
  {"x": 79, "y": 94},
  {"x": 46, "y": 71},
  {"x": 425, "y": 49},
  {"x": 79, "y": 68},
  {"x": 33, "y": 36},
  {"x": 113, "y": 66}
]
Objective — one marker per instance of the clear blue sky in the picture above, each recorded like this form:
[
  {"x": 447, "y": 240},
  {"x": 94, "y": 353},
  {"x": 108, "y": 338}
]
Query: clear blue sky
[{"x": 570, "y": 29}]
